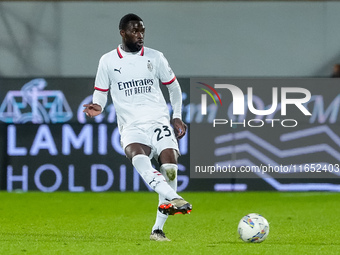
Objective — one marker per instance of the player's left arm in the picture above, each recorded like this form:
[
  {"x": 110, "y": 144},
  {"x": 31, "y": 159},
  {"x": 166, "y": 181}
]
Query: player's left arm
[
  {"x": 168, "y": 78},
  {"x": 175, "y": 94}
]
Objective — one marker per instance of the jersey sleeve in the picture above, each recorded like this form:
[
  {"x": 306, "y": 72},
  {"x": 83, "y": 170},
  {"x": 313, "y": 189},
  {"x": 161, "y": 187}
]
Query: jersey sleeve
[
  {"x": 175, "y": 94},
  {"x": 165, "y": 73},
  {"x": 102, "y": 81}
]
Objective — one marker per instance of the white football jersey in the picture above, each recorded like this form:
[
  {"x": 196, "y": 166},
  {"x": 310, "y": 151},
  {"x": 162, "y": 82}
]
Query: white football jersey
[{"x": 133, "y": 81}]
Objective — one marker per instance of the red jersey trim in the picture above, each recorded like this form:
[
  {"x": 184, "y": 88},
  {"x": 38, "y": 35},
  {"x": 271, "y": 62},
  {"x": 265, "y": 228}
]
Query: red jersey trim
[
  {"x": 103, "y": 90},
  {"x": 118, "y": 52},
  {"x": 169, "y": 82},
  {"x": 121, "y": 56}
]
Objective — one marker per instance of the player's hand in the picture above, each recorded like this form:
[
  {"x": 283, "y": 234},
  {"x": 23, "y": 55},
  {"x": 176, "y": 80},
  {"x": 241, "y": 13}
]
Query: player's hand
[
  {"x": 92, "y": 110},
  {"x": 180, "y": 128}
]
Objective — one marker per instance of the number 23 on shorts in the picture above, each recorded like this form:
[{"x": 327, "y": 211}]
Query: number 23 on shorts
[{"x": 162, "y": 132}]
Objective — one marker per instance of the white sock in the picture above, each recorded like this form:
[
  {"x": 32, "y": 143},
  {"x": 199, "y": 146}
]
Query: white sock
[
  {"x": 166, "y": 170},
  {"x": 160, "y": 221},
  {"x": 152, "y": 177}
]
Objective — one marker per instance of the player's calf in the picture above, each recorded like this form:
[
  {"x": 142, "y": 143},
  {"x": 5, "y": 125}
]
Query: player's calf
[{"x": 152, "y": 177}]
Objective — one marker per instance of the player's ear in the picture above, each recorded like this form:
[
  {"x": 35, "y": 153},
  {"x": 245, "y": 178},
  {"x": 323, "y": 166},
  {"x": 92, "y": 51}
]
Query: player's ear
[{"x": 122, "y": 33}]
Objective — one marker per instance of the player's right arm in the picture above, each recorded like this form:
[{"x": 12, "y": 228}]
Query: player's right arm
[
  {"x": 101, "y": 88},
  {"x": 92, "y": 110}
]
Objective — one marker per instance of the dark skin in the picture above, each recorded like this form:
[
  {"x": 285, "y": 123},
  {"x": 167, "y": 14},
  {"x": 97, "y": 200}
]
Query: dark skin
[{"x": 133, "y": 41}]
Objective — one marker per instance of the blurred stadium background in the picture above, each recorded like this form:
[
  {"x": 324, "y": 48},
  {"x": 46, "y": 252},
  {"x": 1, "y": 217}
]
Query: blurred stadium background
[{"x": 49, "y": 56}]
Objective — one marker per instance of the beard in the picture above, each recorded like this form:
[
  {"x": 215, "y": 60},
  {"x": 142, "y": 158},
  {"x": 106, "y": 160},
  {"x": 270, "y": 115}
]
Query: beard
[{"x": 133, "y": 47}]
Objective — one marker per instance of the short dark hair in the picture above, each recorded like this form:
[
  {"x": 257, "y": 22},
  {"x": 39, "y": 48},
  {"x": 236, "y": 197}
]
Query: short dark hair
[{"x": 127, "y": 18}]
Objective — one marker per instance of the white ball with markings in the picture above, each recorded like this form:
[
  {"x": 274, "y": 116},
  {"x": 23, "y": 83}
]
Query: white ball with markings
[{"x": 253, "y": 228}]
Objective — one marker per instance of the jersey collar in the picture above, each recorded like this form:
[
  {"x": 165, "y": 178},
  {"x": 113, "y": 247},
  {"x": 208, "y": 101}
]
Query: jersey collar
[{"x": 122, "y": 53}]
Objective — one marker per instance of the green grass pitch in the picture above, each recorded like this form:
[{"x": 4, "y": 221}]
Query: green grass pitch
[{"x": 120, "y": 223}]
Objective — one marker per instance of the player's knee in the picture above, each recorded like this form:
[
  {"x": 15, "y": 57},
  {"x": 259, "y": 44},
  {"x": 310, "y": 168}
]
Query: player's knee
[{"x": 169, "y": 171}]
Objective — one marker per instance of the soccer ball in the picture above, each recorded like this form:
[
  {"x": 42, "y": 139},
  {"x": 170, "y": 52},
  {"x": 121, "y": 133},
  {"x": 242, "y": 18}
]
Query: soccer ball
[{"x": 253, "y": 228}]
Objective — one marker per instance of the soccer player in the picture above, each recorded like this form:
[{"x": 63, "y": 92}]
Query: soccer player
[{"x": 131, "y": 73}]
